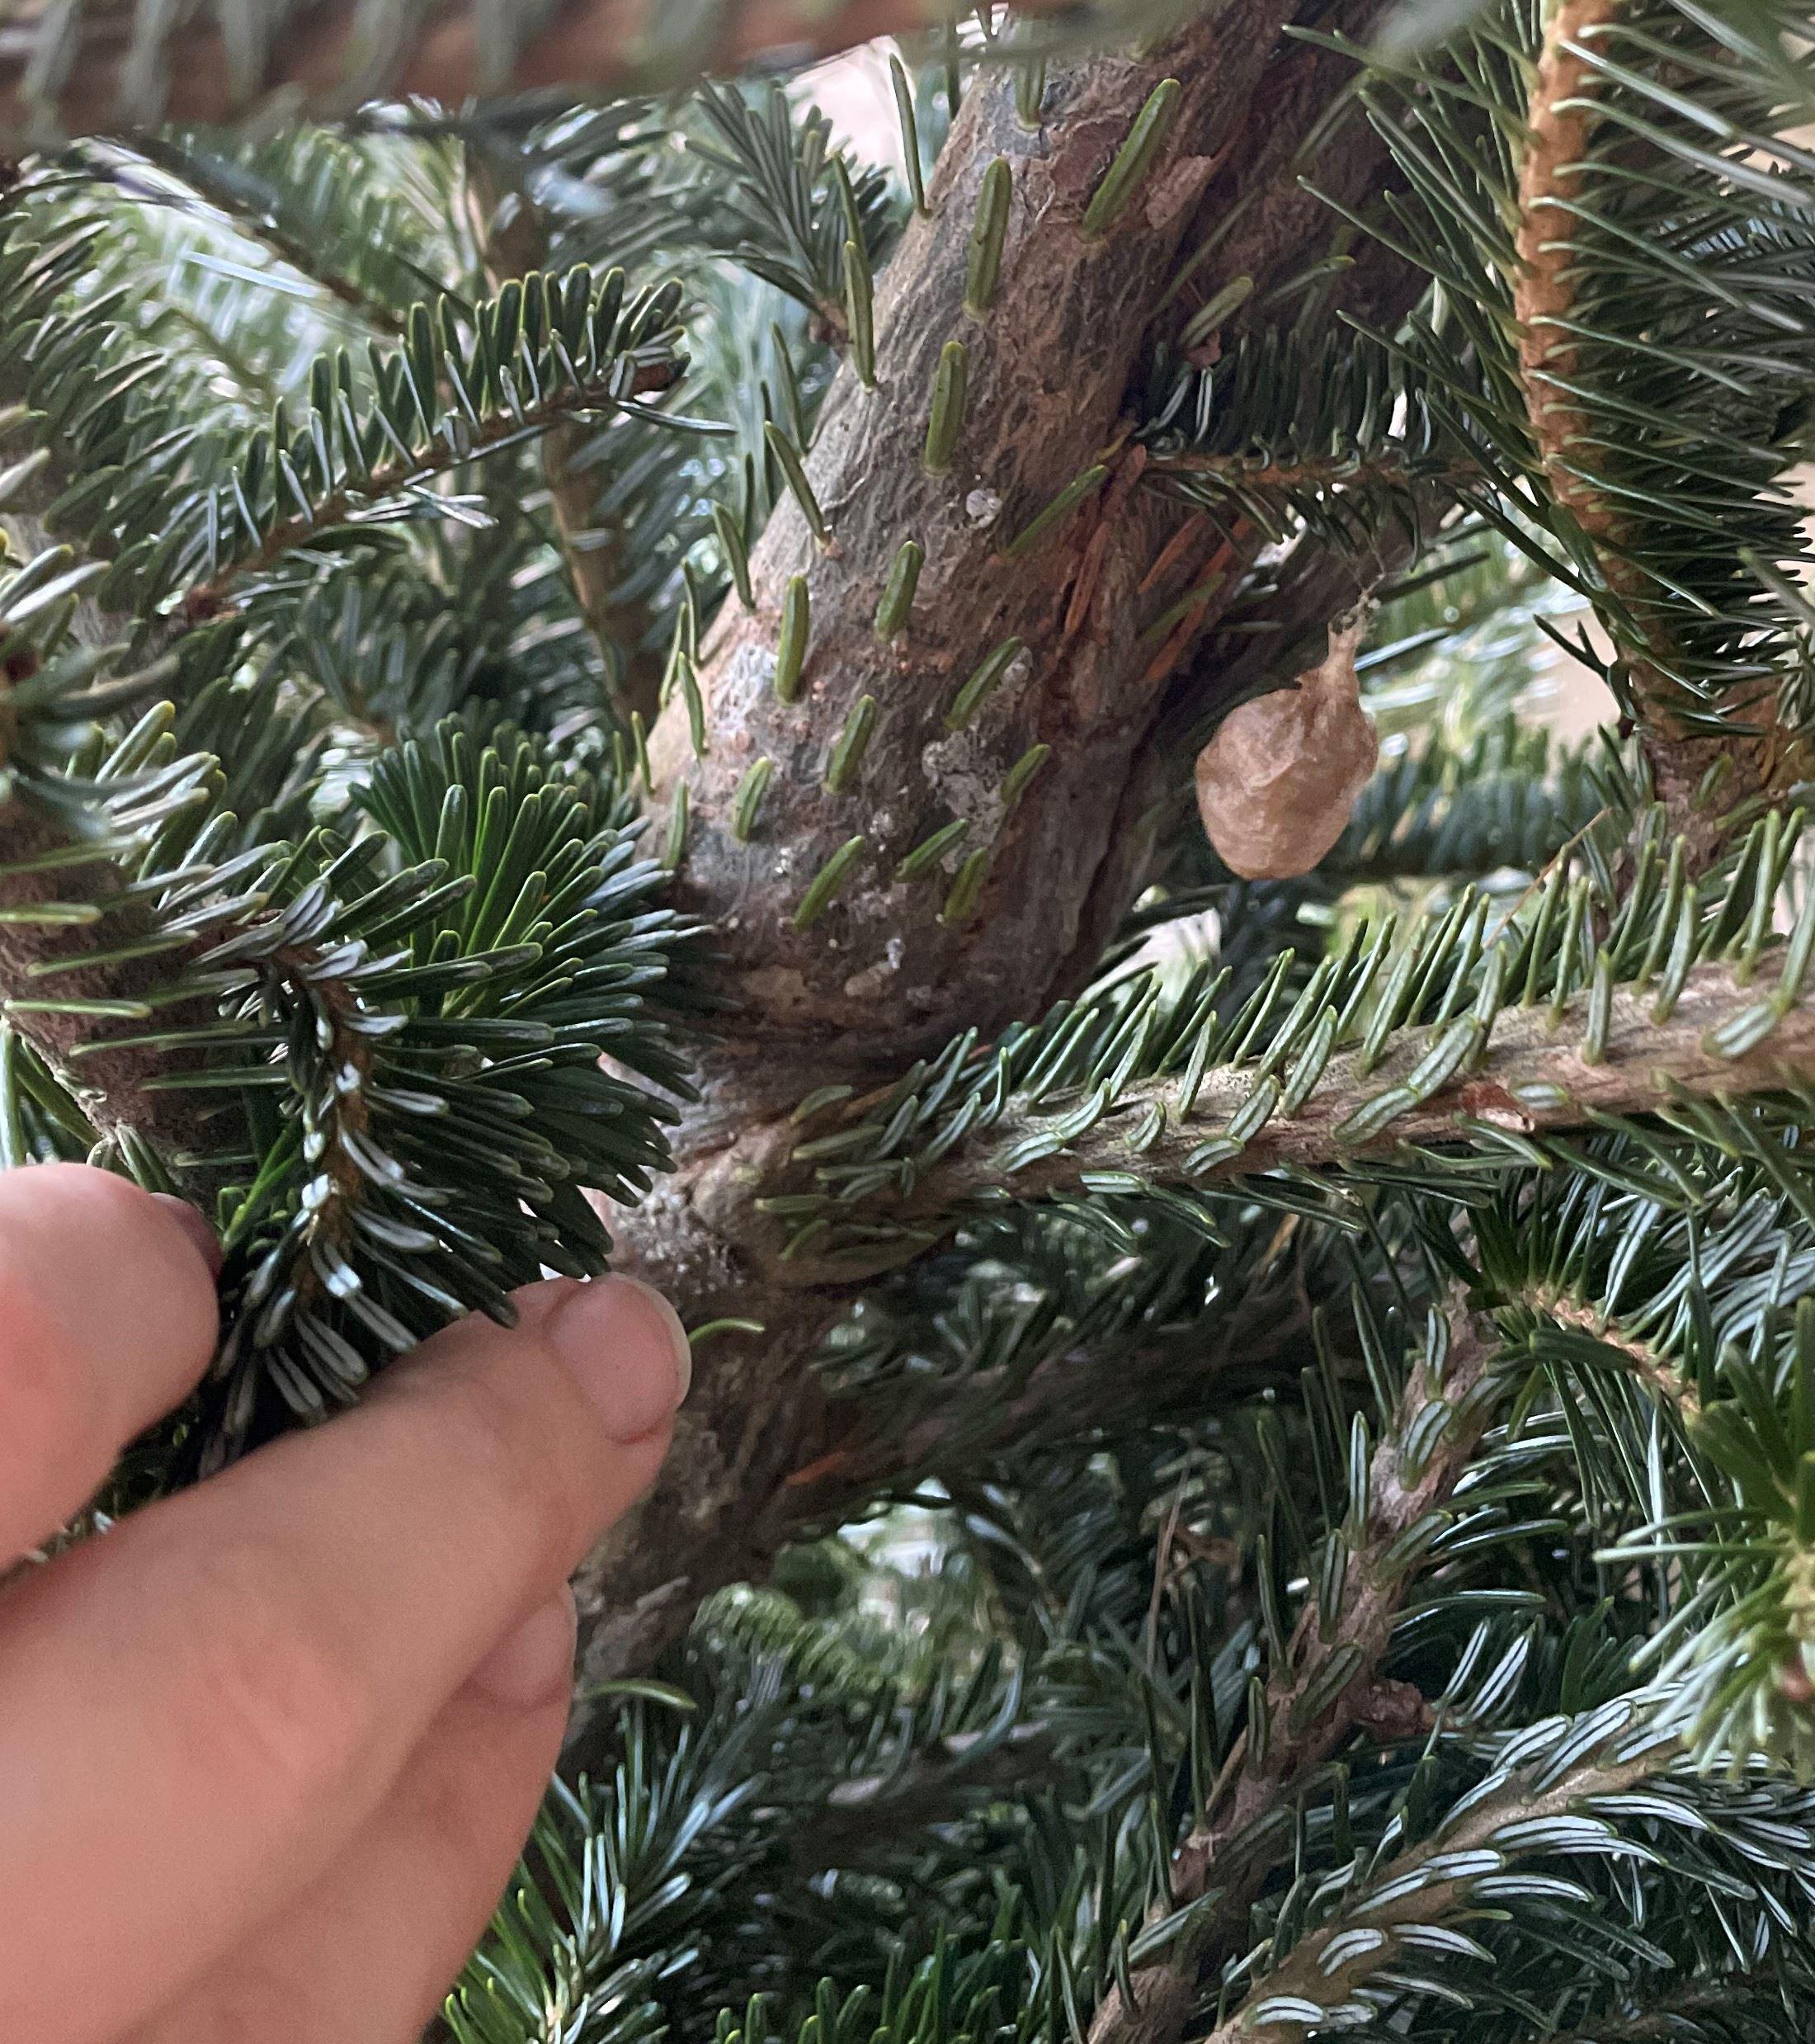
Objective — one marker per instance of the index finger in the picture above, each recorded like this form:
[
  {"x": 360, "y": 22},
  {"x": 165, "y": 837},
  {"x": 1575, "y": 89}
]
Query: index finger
[{"x": 107, "y": 1319}]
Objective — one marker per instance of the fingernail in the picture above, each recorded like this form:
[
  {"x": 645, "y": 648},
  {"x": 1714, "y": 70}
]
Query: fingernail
[
  {"x": 194, "y": 1226},
  {"x": 626, "y": 1345},
  {"x": 534, "y": 1664}
]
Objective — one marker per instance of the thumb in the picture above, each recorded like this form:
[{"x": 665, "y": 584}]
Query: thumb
[{"x": 107, "y": 1319}]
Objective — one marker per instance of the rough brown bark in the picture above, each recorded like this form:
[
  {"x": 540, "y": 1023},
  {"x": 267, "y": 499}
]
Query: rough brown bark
[
  {"x": 880, "y": 975},
  {"x": 757, "y": 1416},
  {"x": 883, "y": 976}
]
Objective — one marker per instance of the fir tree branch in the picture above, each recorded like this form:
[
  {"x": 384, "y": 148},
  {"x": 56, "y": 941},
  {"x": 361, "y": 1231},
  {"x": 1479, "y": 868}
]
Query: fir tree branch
[
  {"x": 1128, "y": 1097},
  {"x": 1676, "y": 2014},
  {"x": 1326, "y": 473},
  {"x": 207, "y": 176},
  {"x": 511, "y": 234},
  {"x": 103, "y": 986},
  {"x": 708, "y": 1208},
  {"x": 67, "y": 1005},
  {"x": 1090, "y": 1364},
  {"x": 1558, "y": 122},
  {"x": 278, "y": 1019},
  {"x": 594, "y": 553},
  {"x": 1607, "y": 343},
  {"x": 935, "y": 1785},
  {"x": 395, "y": 477},
  {"x": 113, "y": 1001},
  {"x": 1663, "y": 1380},
  {"x": 103, "y": 65},
  {"x": 1346, "y": 1645},
  {"x": 191, "y": 519},
  {"x": 1532, "y": 1072},
  {"x": 1611, "y": 163},
  {"x": 1559, "y": 119},
  {"x": 83, "y": 958},
  {"x": 1419, "y": 1892}
]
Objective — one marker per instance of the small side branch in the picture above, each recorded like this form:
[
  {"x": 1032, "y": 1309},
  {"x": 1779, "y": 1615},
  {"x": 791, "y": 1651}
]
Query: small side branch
[
  {"x": 1410, "y": 1890},
  {"x": 1533, "y": 1070},
  {"x": 1663, "y": 1380},
  {"x": 199, "y": 173},
  {"x": 1330, "y": 472},
  {"x": 101, "y": 66},
  {"x": 511, "y": 234},
  {"x": 1680, "y": 2011},
  {"x": 67, "y": 989},
  {"x": 392, "y": 478},
  {"x": 1297, "y": 1736},
  {"x": 1558, "y": 119}
]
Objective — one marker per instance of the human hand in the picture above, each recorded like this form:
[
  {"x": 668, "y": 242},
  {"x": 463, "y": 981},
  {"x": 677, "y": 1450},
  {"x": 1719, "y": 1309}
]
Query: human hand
[{"x": 268, "y": 1749}]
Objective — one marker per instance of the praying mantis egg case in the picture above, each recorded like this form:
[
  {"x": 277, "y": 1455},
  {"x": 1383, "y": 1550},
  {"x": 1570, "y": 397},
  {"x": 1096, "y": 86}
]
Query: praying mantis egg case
[{"x": 1277, "y": 783}]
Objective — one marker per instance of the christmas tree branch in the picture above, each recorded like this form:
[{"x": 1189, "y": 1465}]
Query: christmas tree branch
[
  {"x": 81, "y": 958},
  {"x": 1096, "y": 1373},
  {"x": 1558, "y": 120},
  {"x": 1681, "y": 2008},
  {"x": 1332, "y": 472},
  {"x": 756, "y": 1226},
  {"x": 103, "y": 65},
  {"x": 1011, "y": 612},
  {"x": 1418, "y": 1888},
  {"x": 511, "y": 234},
  {"x": 704, "y": 1233},
  {"x": 1531, "y": 1069},
  {"x": 937, "y": 1785},
  {"x": 239, "y": 199},
  {"x": 1330, "y": 1687},
  {"x": 404, "y": 474},
  {"x": 1663, "y": 1378},
  {"x": 67, "y": 990},
  {"x": 121, "y": 1004}
]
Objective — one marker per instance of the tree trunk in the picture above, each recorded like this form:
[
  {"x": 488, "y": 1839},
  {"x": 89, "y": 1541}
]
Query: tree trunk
[{"x": 892, "y": 969}]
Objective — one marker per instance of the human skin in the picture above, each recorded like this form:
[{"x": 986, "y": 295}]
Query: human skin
[{"x": 268, "y": 1749}]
